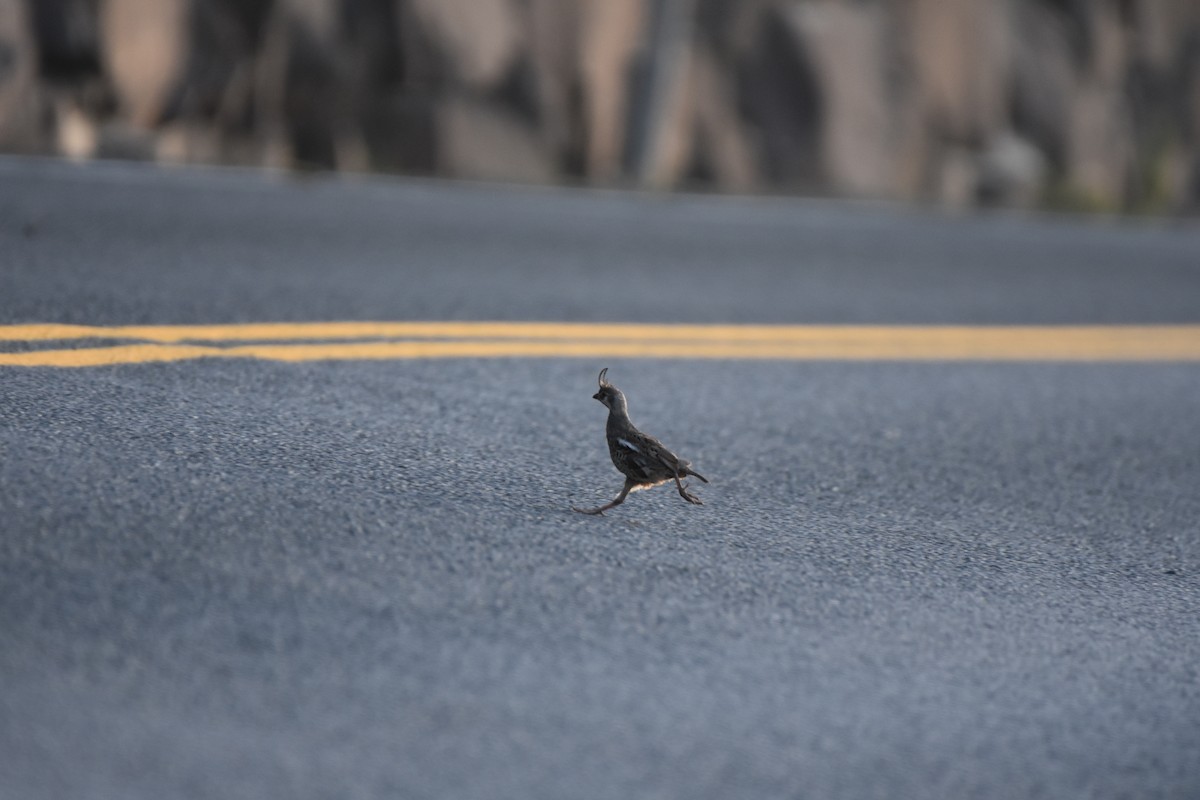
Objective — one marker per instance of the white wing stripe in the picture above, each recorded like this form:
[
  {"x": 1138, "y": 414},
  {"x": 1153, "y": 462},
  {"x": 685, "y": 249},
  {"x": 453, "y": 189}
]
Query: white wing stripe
[{"x": 629, "y": 444}]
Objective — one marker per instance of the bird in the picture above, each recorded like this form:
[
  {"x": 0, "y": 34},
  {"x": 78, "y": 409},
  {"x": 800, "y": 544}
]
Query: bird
[{"x": 643, "y": 460}]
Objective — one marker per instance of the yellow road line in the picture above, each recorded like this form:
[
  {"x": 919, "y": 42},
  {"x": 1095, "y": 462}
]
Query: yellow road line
[
  {"x": 102, "y": 356},
  {"x": 1031, "y": 336},
  {"x": 534, "y": 340}
]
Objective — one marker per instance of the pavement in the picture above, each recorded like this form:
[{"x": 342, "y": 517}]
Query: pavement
[{"x": 228, "y": 578}]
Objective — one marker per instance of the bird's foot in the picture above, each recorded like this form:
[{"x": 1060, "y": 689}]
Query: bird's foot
[
  {"x": 596, "y": 512},
  {"x": 685, "y": 494}
]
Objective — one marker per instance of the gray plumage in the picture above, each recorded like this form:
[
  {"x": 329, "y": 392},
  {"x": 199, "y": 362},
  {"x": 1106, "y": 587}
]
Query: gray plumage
[{"x": 642, "y": 459}]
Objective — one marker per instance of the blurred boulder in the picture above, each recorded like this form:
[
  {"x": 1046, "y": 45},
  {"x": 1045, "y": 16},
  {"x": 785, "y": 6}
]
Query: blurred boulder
[
  {"x": 118, "y": 139},
  {"x": 1100, "y": 145},
  {"x": 401, "y": 134},
  {"x": 609, "y": 37},
  {"x": 555, "y": 31},
  {"x": 1155, "y": 23},
  {"x": 298, "y": 99},
  {"x": 477, "y": 41},
  {"x": 660, "y": 131},
  {"x": 21, "y": 102},
  {"x": 1188, "y": 82},
  {"x": 960, "y": 52},
  {"x": 1043, "y": 80},
  {"x": 956, "y": 177},
  {"x": 184, "y": 143},
  {"x": 842, "y": 45},
  {"x": 782, "y": 96},
  {"x": 480, "y": 140},
  {"x": 581, "y": 54},
  {"x": 319, "y": 70},
  {"x": 1087, "y": 103},
  {"x": 77, "y": 135},
  {"x": 1012, "y": 172},
  {"x": 68, "y": 38},
  {"x": 723, "y": 152},
  {"x": 146, "y": 47},
  {"x": 80, "y": 136},
  {"x": 1107, "y": 39}
]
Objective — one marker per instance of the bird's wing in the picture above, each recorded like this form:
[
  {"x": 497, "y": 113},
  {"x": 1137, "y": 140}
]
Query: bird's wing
[
  {"x": 629, "y": 454},
  {"x": 654, "y": 452},
  {"x": 673, "y": 463}
]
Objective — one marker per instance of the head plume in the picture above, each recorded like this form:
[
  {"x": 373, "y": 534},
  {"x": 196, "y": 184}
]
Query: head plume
[{"x": 604, "y": 381}]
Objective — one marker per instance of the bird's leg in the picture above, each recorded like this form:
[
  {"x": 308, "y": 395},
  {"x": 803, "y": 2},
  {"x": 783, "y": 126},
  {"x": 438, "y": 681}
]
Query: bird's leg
[
  {"x": 685, "y": 494},
  {"x": 616, "y": 501}
]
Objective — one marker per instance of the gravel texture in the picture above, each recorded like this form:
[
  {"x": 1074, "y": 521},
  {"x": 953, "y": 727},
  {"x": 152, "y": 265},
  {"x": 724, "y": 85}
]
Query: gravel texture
[{"x": 227, "y": 579}]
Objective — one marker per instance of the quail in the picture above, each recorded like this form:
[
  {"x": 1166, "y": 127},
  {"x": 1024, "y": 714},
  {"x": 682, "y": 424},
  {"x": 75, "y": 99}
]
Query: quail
[{"x": 643, "y": 460}]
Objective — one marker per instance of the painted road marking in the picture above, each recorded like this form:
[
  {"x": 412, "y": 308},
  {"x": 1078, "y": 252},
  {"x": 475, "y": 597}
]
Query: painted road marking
[{"x": 330, "y": 341}]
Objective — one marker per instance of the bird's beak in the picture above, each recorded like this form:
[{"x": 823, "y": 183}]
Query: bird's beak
[{"x": 596, "y": 396}]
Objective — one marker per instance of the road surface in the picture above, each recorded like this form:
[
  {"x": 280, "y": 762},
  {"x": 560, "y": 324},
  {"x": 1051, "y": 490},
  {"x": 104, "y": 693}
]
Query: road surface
[{"x": 226, "y": 578}]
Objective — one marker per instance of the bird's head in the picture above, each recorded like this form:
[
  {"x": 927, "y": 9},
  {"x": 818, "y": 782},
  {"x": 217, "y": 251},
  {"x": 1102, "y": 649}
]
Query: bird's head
[{"x": 610, "y": 395}]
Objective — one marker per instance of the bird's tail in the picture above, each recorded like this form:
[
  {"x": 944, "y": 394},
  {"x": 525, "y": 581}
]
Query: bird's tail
[{"x": 687, "y": 470}]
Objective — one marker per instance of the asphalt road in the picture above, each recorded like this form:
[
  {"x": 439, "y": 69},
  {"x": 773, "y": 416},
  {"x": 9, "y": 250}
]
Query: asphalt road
[{"x": 227, "y": 579}]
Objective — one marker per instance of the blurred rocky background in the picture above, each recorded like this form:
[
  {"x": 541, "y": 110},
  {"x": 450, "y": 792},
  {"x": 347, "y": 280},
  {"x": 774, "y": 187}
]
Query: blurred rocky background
[{"x": 1069, "y": 104}]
